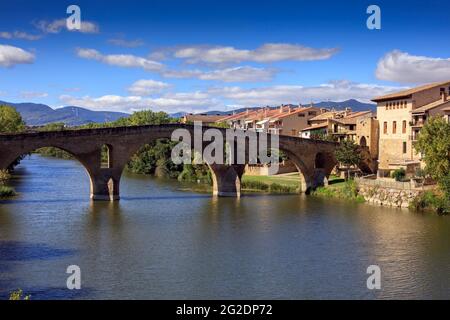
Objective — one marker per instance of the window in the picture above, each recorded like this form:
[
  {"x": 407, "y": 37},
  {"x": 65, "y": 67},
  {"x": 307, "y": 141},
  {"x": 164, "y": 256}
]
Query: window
[
  {"x": 105, "y": 156},
  {"x": 404, "y": 147},
  {"x": 312, "y": 113},
  {"x": 301, "y": 115},
  {"x": 394, "y": 127},
  {"x": 385, "y": 127},
  {"x": 404, "y": 126}
]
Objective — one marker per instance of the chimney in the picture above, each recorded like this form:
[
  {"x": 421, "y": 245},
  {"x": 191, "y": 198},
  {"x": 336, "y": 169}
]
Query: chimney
[
  {"x": 246, "y": 111},
  {"x": 281, "y": 108},
  {"x": 443, "y": 95},
  {"x": 289, "y": 109}
]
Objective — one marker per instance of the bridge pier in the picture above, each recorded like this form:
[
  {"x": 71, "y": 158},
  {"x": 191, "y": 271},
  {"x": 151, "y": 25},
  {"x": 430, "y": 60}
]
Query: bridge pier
[
  {"x": 227, "y": 179},
  {"x": 105, "y": 187}
]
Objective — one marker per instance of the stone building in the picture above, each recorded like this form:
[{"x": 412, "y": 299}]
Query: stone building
[{"x": 401, "y": 115}]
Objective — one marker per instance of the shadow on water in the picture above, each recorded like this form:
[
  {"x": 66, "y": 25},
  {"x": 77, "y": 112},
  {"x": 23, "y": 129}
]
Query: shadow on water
[{"x": 24, "y": 251}]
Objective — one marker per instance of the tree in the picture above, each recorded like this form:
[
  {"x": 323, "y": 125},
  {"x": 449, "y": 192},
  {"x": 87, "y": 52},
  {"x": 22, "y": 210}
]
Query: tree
[
  {"x": 348, "y": 154},
  {"x": 146, "y": 117},
  {"x": 10, "y": 120},
  {"x": 434, "y": 145}
]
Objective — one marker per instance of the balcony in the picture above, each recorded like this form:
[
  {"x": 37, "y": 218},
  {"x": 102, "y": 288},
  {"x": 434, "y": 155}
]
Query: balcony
[{"x": 418, "y": 123}]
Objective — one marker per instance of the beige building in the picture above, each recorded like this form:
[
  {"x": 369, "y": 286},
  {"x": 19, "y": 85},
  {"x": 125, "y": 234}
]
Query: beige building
[{"x": 401, "y": 115}]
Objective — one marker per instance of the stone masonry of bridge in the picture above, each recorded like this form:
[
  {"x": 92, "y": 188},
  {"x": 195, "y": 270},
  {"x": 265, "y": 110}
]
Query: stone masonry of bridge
[{"x": 313, "y": 159}]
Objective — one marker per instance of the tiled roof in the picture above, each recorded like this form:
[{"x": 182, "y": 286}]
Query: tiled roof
[
  {"x": 204, "y": 118},
  {"x": 405, "y": 93},
  {"x": 322, "y": 125},
  {"x": 430, "y": 106}
]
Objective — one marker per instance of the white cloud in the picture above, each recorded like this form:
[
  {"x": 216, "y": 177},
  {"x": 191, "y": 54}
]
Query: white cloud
[
  {"x": 171, "y": 103},
  {"x": 269, "y": 52},
  {"x": 405, "y": 68},
  {"x": 236, "y": 74},
  {"x": 147, "y": 87},
  {"x": 275, "y": 95},
  {"x": 121, "y": 60},
  {"x": 19, "y": 35},
  {"x": 33, "y": 94},
  {"x": 10, "y": 56},
  {"x": 126, "y": 43},
  {"x": 56, "y": 26},
  {"x": 224, "y": 98}
]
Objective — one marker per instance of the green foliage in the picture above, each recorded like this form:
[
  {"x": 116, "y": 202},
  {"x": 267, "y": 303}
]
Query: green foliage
[
  {"x": 434, "y": 144},
  {"x": 10, "y": 120},
  {"x": 254, "y": 185},
  {"x": 54, "y": 152},
  {"x": 146, "y": 117},
  {"x": 431, "y": 200},
  {"x": 420, "y": 173},
  {"x": 444, "y": 184},
  {"x": 348, "y": 154},
  {"x": 6, "y": 192},
  {"x": 399, "y": 174},
  {"x": 346, "y": 190},
  {"x": 196, "y": 173},
  {"x": 56, "y": 126},
  {"x": 18, "y": 295},
  {"x": 4, "y": 176}
]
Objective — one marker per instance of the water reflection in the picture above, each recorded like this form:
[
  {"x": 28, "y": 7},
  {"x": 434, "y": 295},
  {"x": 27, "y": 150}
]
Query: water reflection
[{"x": 164, "y": 241}]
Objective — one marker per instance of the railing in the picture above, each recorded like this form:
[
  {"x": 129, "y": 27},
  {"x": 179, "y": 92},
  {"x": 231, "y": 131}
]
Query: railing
[{"x": 408, "y": 185}]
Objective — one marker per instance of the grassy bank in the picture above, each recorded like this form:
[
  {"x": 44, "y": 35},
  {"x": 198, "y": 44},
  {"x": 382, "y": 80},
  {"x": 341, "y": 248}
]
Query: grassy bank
[
  {"x": 339, "y": 189},
  {"x": 289, "y": 183}
]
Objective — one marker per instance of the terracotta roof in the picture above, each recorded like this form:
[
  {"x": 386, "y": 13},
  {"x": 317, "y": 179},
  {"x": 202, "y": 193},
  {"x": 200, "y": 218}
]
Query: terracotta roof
[
  {"x": 204, "y": 117},
  {"x": 430, "y": 106},
  {"x": 292, "y": 112},
  {"x": 406, "y": 93},
  {"x": 322, "y": 125}
]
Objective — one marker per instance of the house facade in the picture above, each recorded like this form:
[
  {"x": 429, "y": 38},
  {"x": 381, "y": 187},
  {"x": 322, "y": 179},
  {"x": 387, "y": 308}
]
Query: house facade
[{"x": 401, "y": 116}]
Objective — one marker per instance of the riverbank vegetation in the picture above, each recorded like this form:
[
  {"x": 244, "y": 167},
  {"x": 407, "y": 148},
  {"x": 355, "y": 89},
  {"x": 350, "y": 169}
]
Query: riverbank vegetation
[
  {"x": 434, "y": 144},
  {"x": 340, "y": 189},
  {"x": 5, "y": 190}
]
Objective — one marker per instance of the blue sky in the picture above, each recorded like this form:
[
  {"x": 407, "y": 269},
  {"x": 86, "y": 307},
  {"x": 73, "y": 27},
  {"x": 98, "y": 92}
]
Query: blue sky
[{"x": 206, "y": 55}]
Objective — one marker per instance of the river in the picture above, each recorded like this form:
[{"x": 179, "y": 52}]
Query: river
[{"x": 164, "y": 241}]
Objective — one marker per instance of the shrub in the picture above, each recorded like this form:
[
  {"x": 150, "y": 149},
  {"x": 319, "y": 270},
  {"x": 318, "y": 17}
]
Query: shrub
[
  {"x": 18, "y": 295},
  {"x": 399, "y": 174},
  {"x": 431, "y": 200},
  {"x": 275, "y": 187},
  {"x": 6, "y": 192},
  {"x": 444, "y": 184},
  {"x": 254, "y": 185},
  {"x": 4, "y": 177}
]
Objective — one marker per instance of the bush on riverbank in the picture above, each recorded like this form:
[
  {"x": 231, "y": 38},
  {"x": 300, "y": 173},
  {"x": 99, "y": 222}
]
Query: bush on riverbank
[
  {"x": 6, "y": 192},
  {"x": 346, "y": 190},
  {"x": 432, "y": 201},
  {"x": 255, "y": 185}
]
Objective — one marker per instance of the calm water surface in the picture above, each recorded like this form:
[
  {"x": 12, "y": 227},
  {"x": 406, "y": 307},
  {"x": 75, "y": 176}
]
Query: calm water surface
[{"x": 164, "y": 241}]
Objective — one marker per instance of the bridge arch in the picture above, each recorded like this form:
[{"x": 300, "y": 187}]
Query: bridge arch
[{"x": 122, "y": 142}]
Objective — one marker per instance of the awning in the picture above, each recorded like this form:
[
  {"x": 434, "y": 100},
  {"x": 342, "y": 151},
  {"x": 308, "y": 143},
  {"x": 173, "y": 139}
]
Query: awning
[{"x": 262, "y": 121}]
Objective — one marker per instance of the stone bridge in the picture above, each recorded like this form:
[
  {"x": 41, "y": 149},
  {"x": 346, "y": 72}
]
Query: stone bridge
[{"x": 313, "y": 159}]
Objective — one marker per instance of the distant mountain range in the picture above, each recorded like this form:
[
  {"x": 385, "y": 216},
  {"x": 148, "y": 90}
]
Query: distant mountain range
[
  {"x": 354, "y": 104},
  {"x": 35, "y": 114}
]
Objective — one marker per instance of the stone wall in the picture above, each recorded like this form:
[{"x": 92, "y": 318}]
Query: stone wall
[{"x": 389, "y": 197}]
